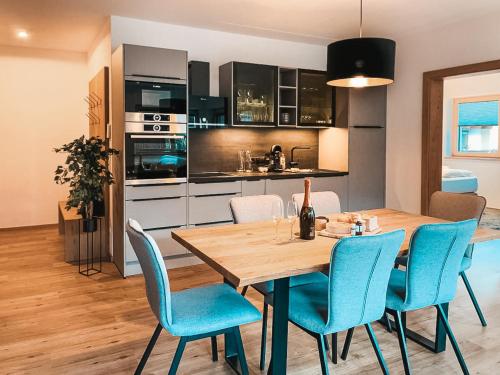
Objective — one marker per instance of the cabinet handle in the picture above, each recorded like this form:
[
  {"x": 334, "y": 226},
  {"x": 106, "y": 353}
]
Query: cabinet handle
[
  {"x": 212, "y": 195},
  {"x": 367, "y": 127},
  {"x": 154, "y": 199}
]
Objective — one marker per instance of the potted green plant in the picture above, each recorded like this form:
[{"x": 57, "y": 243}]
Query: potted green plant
[{"x": 87, "y": 173}]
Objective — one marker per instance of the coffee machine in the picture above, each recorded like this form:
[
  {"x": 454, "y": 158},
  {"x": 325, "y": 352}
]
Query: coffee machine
[{"x": 276, "y": 157}]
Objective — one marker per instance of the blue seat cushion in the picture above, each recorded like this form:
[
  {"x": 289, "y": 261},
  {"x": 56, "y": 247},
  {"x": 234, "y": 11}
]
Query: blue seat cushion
[
  {"x": 466, "y": 262},
  {"x": 396, "y": 291},
  {"x": 309, "y": 306},
  {"x": 208, "y": 309},
  {"x": 267, "y": 287}
]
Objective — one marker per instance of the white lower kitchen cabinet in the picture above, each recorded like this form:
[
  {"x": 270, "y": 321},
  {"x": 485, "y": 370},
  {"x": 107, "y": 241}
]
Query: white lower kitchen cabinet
[
  {"x": 255, "y": 187},
  {"x": 285, "y": 187},
  {"x": 158, "y": 213},
  {"x": 168, "y": 246},
  {"x": 210, "y": 209}
]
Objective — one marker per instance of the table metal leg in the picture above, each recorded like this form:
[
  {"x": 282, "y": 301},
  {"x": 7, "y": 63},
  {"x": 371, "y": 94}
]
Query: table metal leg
[
  {"x": 230, "y": 346},
  {"x": 280, "y": 326}
]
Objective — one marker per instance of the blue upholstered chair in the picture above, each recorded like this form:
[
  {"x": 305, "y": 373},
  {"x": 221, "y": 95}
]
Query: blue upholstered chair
[
  {"x": 458, "y": 207},
  {"x": 191, "y": 314},
  {"x": 259, "y": 208},
  {"x": 434, "y": 260},
  {"x": 354, "y": 294}
]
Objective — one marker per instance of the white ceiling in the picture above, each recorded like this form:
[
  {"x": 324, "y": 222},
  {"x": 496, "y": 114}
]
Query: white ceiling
[{"x": 73, "y": 24}]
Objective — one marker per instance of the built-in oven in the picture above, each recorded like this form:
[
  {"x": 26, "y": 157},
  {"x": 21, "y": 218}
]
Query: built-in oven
[
  {"x": 155, "y": 96},
  {"x": 155, "y": 153}
]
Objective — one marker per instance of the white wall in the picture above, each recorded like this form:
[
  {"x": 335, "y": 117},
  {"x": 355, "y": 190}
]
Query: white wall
[
  {"x": 486, "y": 170},
  {"x": 462, "y": 43},
  {"x": 216, "y": 47},
  {"x": 41, "y": 96},
  {"x": 99, "y": 54}
]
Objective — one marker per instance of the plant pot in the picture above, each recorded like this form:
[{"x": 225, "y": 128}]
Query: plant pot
[{"x": 90, "y": 225}]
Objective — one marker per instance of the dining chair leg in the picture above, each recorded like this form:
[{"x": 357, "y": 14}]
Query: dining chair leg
[
  {"x": 347, "y": 344},
  {"x": 453, "y": 341},
  {"x": 334, "y": 347},
  {"x": 322, "y": 355},
  {"x": 473, "y": 298},
  {"x": 244, "y": 291},
  {"x": 241, "y": 351},
  {"x": 215, "y": 355},
  {"x": 402, "y": 342},
  {"x": 376, "y": 347},
  {"x": 263, "y": 338},
  {"x": 148, "y": 350},
  {"x": 177, "y": 356}
]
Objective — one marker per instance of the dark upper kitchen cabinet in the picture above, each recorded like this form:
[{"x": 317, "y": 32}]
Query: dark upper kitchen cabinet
[
  {"x": 316, "y": 100},
  {"x": 252, "y": 92},
  {"x": 154, "y": 62}
]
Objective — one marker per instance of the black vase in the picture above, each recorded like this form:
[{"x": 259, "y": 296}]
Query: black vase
[{"x": 90, "y": 225}]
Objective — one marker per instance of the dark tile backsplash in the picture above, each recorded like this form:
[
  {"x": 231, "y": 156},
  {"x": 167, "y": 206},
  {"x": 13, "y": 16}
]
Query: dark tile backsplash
[{"x": 217, "y": 149}]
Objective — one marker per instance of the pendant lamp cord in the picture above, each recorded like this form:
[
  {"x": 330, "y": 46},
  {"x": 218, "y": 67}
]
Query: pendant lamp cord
[{"x": 361, "y": 19}]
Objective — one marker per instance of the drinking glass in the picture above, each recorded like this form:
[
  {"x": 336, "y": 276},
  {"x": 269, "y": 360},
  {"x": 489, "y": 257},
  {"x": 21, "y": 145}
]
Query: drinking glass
[
  {"x": 277, "y": 213},
  {"x": 248, "y": 161},
  {"x": 241, "y": 159},
  {"x": 291, "y": 213}
]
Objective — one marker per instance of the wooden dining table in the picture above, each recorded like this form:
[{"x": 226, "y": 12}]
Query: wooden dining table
[{"x": 245, "y": 254}]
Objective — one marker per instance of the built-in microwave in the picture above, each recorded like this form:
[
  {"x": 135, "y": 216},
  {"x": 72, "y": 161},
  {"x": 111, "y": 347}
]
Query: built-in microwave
[
  {"x": 155, "y": 95},
  {"x": 155, "y": 153}
]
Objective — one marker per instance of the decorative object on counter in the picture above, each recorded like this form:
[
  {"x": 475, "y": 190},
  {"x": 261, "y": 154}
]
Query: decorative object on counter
[
  {"x": 361, "y": 62},
  {"x": 87, "y": 173},
  {"x": 307, "y": 217},
  {"x": 263, "y": 169}
]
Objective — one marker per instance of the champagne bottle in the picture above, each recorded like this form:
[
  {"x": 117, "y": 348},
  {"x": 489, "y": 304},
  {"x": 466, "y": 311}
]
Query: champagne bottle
[{"x": 307, "y": 217}]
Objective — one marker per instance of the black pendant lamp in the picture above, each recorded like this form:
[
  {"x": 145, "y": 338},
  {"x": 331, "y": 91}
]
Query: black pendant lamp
[{"x": 361, "y": 62}]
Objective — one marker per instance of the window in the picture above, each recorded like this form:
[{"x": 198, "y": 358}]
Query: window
[{"x": 475, "y": 126}]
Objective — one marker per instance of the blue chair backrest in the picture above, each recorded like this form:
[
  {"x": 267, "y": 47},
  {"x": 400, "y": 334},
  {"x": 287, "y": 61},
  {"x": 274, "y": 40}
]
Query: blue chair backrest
[
  {"x": 359, "y": 274},
  {"x": 155, "y": 273},
  {"x": 435, "y": 255}
]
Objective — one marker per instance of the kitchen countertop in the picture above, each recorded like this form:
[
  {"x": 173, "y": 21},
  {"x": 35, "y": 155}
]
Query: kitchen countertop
[{"x": 252, "y": 176}]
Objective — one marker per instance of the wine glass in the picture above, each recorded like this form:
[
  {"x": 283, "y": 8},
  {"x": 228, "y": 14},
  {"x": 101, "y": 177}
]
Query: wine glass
[
  {"x": 291, "y": 213},
  {"x": 277, "y": 214}
]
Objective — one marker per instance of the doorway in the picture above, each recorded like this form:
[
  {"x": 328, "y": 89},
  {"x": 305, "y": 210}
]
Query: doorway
[{"x": 432, "y": 124}]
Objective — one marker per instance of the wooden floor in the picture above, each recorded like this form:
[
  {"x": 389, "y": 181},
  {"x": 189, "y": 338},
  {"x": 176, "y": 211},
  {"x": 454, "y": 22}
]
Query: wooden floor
[{"x": 54, "y": 321}]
